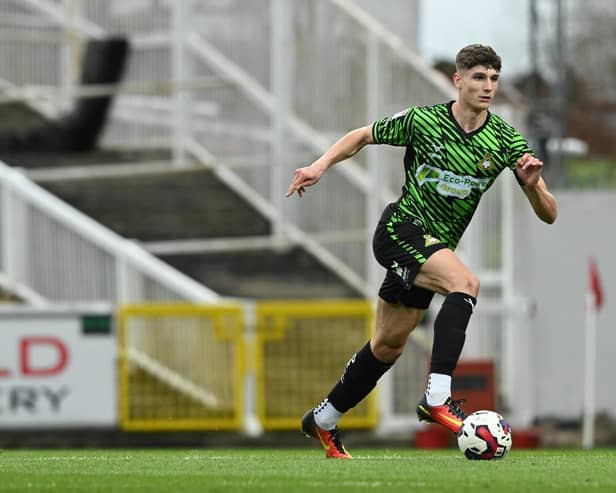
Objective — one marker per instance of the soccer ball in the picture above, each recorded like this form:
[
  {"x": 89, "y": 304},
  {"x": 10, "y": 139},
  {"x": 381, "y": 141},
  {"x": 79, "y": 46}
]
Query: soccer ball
[{"x": 484, "y": 435}]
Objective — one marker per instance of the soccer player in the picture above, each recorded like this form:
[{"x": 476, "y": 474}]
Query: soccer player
[{"x": 454, "y": 152}]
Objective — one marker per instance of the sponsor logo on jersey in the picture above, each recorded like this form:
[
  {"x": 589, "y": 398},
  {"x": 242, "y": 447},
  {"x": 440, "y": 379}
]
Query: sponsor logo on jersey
[
  {"x": 448, "y": 183},
  {"x": 437, "y": 148}
]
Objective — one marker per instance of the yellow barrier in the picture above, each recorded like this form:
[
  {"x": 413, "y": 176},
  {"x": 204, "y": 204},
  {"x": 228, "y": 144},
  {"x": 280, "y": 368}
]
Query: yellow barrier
[
  {"x": 181, "y": 367},
  {"x": 301, "y": 349}
]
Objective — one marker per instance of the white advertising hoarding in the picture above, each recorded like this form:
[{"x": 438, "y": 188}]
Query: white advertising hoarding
[{"x": 57, "y": 369}]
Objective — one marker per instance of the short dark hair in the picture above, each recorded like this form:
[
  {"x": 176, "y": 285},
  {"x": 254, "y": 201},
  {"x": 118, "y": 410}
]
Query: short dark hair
[{"x": 477, "y": 54}]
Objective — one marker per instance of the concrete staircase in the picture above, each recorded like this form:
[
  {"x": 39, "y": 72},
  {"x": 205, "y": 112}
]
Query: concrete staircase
[{"x": 167, "y": 204}]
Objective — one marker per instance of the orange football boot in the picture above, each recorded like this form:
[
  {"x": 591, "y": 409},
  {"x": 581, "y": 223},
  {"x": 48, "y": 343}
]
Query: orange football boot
[
  {"x": 448, "y": 414},
  {"x": 330, "y": 439}
]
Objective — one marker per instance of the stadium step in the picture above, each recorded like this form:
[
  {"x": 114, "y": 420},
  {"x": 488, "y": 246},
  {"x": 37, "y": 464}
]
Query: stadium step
[{"x": 183, "y": 204}]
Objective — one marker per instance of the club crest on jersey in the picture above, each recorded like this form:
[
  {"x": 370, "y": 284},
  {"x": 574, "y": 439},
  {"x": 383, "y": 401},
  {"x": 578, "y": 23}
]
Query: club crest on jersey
[
  {"x": 430, "y": 240},
  {"x": 486, "y": 163}
]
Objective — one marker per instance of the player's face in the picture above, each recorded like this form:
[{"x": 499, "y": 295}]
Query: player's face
[{"x": 477, "y": 86}]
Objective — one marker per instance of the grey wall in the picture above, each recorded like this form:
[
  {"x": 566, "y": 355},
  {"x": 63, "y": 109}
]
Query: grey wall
[
  {"x": 401, "y": 17},
  {"x": 553, "y": 273}
]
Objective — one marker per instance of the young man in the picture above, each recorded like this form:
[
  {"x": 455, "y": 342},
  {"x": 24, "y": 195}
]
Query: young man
[{"x": 454, "y": 152}]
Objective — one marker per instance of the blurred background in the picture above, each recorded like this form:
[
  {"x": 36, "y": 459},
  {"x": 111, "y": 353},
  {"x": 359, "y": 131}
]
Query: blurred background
[{"x": 157, "y": 286}]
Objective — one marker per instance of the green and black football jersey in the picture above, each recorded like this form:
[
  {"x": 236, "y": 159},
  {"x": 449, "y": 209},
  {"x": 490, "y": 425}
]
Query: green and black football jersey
[{"x": 447, "y": 169}]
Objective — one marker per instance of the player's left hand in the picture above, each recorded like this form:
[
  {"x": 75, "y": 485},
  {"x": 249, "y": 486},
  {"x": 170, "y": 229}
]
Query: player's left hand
[{"x": 528, "y": 168}]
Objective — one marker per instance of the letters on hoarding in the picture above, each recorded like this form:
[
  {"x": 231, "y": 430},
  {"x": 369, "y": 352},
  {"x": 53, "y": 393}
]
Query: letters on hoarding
[{"x": 55, "y": 370}]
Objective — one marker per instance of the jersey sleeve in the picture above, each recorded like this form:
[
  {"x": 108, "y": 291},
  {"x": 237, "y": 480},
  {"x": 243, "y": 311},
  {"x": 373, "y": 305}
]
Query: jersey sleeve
[
  {"x": 517, "y": 148},
  {"x": 396, "y": 130}
]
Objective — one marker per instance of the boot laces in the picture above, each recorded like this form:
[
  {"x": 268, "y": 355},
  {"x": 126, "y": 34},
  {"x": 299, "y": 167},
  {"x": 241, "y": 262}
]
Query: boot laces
[
  {"x": 335, "y": 436},
  {"x": 454, "y": 408}
]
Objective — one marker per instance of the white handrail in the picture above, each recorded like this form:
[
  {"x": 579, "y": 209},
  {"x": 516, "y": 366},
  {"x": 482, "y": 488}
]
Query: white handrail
[
  {"x": 172, "y": 378},
  {"x": 60, "y": 15},
  {"x": 23, "y": 292},
  {"x": 262, "y": 98},
  {"x": 266, "y": 101},
  {"x": 396, "y": 44},
  {"x": 230, "y": 178},
  {"x": 93, "y": 232}
]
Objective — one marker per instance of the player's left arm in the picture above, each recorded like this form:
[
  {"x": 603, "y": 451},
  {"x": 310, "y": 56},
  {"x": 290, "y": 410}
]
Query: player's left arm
[{"x": 528, "y": 170}]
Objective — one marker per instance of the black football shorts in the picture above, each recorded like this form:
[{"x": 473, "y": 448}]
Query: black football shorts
[{"x": 401, "y": 244}]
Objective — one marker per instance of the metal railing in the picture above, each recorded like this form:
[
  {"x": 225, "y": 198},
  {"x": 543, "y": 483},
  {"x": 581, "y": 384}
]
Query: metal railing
[
  {"x": 232, "y": 85},
  {"x": 50, "y": 252},
  {"x": 191, "y": 81}
]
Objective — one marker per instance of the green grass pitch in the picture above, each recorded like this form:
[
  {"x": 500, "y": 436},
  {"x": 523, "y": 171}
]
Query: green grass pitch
[{"x": 304, "y": 470}]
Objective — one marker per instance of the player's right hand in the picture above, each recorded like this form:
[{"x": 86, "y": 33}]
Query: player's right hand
[{"x": 303, "y": 177}]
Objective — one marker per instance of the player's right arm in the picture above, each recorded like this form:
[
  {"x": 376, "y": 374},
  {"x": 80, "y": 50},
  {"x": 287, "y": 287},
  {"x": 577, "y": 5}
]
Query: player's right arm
[{"x": 346, "y": 147}]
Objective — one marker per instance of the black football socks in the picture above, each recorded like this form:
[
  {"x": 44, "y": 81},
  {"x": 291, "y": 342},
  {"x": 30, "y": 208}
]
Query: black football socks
[
  {"x": 450, "y": 332},
  {"x": 358, "y": 379}
]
